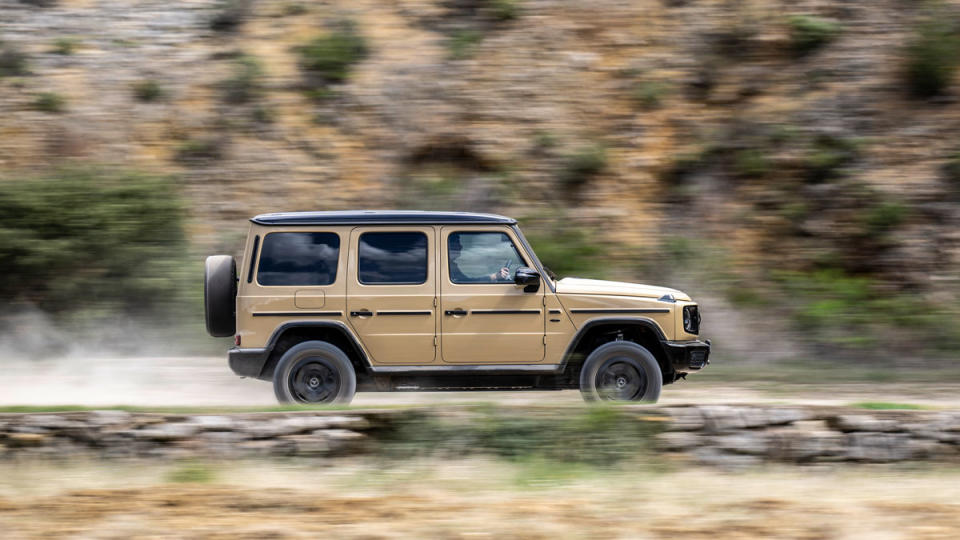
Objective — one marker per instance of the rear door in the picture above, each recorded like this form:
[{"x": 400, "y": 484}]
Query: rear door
[
  {"x": 486, "y": 319},
  {"x": 392, "y": 291}
]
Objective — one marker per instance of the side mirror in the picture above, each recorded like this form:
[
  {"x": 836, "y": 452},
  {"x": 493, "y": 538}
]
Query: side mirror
[{"x": 528, "y": 278}]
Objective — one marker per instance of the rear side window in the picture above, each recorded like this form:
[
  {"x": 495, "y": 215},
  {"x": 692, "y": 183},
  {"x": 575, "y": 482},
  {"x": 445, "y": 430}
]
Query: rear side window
[
  {"x": 299, "y": 258},
  {"x": 392, "y": 258}
]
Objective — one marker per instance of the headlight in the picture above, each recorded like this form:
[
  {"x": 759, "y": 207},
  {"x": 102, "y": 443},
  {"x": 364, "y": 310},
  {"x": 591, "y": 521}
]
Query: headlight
[{"x": 691, "y": 319}]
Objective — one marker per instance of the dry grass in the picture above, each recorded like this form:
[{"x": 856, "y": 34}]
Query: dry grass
[{"x": 475, "y": 498}]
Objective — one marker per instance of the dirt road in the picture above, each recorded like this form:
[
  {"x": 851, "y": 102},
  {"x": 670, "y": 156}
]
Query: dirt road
[{"x": 207, "y": 381}]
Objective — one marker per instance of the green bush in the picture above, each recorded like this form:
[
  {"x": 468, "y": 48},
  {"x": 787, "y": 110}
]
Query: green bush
[
  {"x": 932, "y": 57},
  {"x": 49, "y": 102},
  {"x": 648, "y": 95},
  {"x": 191, "y": 473},
  {"x": 462, "y": 44},
  {"x": 583, "y": 165},
  {"x": 828, "y": 154},
  {"x": 245, "y": 84},
  {"x": 566, "y": 250},
  {"x": 505, "y": 10},
  {"x": 330, "y": 57},
  {"x": 199, "y": 150},
  {"x": 12, "y": 61},
  {"x": 751, "y": 163},
  {"x": 808, "y": 34},
  {"x": 148, "y": 91},
  {"x": 65, "y": 46},
  {"x": 598, "y": 436},
  {"x": 103, "y": 241},
  {"x": 883, "y": 218}
]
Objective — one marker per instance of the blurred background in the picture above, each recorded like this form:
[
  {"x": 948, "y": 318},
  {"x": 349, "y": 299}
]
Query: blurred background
[{"x": 792, "y": 165}]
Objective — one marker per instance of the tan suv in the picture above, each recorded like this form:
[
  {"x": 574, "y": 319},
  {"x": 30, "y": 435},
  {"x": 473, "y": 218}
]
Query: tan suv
[{"x": 330, "y": 303}]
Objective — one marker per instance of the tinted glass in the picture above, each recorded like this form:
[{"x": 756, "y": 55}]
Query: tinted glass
[
  {"x": 299, "y": 258},
  {"x": 392, "y": 258},
  {"x": 477, "y": 257}
]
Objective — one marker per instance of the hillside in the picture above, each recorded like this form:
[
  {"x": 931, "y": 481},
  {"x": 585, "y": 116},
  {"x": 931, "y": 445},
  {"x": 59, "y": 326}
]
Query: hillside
[{"x": 788, "y": 158}]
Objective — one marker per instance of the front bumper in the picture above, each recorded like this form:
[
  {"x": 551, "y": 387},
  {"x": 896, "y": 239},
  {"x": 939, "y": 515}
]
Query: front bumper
[{"x": 687, "y": 356}]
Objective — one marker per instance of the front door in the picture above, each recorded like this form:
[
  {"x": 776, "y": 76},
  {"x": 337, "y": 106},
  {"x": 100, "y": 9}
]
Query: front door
[
  {"x": 392, "y": 291},
  {"x": 485, "y": 317}
]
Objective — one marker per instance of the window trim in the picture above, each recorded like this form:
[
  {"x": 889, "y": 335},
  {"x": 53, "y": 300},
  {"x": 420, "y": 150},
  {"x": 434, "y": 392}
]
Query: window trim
[
  {"x": 426, "y": 260},
  {"x": 513, "y": 242},
  {"x": 336, "y": 270}
]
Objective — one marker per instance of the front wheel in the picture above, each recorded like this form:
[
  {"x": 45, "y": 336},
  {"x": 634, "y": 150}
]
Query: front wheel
[
  {"x": 621, "y": 371},
  {"x": 314, "y": 372}
]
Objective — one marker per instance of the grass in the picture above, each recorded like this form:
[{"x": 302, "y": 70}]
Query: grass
[
  {"x": 65, "y": 46},
  {"x": 889, "y": 406},
  {"x": 191, "y": 473}
]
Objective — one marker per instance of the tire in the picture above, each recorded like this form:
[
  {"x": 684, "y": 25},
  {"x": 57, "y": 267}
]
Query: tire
[
  {"x": 220, "y": 295},
  {"x": 621, "y": 371},
  {"x": 314, "y": 372}
]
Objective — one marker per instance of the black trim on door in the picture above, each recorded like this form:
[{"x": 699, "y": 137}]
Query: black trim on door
[
  {"x": 404, "y": 312},
  {"x": 299, "y": 314},
  {"x": 505, "y": 311},
  {"x": 455, "y": 312},
  {"x": 617, "y": 310}
]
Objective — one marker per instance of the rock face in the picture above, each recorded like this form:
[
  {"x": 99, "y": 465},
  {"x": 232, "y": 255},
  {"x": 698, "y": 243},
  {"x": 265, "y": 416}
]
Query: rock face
[{"x": 724, "y": 436}]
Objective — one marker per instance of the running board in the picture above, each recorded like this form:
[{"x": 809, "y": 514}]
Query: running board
[{"x": 492, "y": 369}]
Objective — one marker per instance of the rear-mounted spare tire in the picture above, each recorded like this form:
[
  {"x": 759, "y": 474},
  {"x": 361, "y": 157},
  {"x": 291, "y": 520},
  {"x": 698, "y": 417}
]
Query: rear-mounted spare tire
[{"x": 220, "y": 295}]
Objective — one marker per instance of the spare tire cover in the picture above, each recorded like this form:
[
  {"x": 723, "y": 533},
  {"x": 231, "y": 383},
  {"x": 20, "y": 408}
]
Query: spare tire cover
[{"x": 219, "y": 295}]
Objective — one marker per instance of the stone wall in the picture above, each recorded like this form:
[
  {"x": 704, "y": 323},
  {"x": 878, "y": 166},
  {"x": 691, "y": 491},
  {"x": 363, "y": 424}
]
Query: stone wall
[{"x": 709, "y": 435}]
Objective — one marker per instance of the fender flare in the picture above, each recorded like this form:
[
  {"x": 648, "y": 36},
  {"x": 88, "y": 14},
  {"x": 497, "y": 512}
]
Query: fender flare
[
  {"x": 339, "y": 325},
  {"x": 582, "y": 331}
]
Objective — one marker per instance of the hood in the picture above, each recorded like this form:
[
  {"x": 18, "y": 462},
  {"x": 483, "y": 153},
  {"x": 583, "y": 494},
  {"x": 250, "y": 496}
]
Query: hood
[{"x": 570, "y": 285}]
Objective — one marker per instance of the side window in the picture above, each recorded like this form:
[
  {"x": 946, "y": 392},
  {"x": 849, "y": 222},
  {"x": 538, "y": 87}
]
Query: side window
[
  {"x": 299, "y": 258},
  {"x": 392, "y": 258},
  {"x": 479, "y": 257}
]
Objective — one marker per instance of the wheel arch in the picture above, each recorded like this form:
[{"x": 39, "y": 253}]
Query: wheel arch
[
  {"x": 334, "y": 332},
  {"x": 596, "y": 332}
]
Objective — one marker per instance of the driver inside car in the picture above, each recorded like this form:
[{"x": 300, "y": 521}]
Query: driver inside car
[{"x": 459, "y": 276}]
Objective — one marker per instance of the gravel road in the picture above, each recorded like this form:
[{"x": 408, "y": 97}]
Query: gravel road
[{"x": 207, "y": 381}]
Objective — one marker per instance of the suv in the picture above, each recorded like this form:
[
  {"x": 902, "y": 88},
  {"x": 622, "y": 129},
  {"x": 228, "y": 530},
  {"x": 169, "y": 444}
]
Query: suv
[{"x": 330, "y": 303}]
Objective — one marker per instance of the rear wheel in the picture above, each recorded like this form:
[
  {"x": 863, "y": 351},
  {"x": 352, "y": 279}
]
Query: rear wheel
[
  {"x": 621, "y": 371},
  {"x": 314, "y": 372}
]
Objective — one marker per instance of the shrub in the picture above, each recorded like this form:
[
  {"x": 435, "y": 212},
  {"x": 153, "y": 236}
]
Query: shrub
[
  {"x": 566, "y": 250},
  {"x": 463, "y": 43},
  {"x": 12, "y": 61},
  {"x": 65, "y": 46},
  {"x": 648, "y": 94},
  {"x": 504, "y": 10},
  {"x": 808, "y": 34},
  {"x": 191, "y": 473},
  {"x": 951, "y": 170},
  {"x": 90, "y": 239},
  {"x": 330, "y": 57},
  {"x": 827, "y": 155},
  {"x": 198, "y": 150},
  {"x": 883, "y": 218},
  {"x": 244, "y": 86},
  {"x": 49, "y": 102},
  {"x": 932, "y": 57},
  {"x": 148, "y": 91},
  {"x": 751, "y": 163},
  {"x": 583, "y": 165}
]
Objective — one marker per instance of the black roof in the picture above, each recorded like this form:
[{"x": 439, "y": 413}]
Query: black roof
[{"x": 378, "y": 217}]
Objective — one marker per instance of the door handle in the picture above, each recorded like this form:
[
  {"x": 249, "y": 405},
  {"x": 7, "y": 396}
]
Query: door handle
[
  {"x": 455, "y": 312},
  {"x": 361, "y": 313}
]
